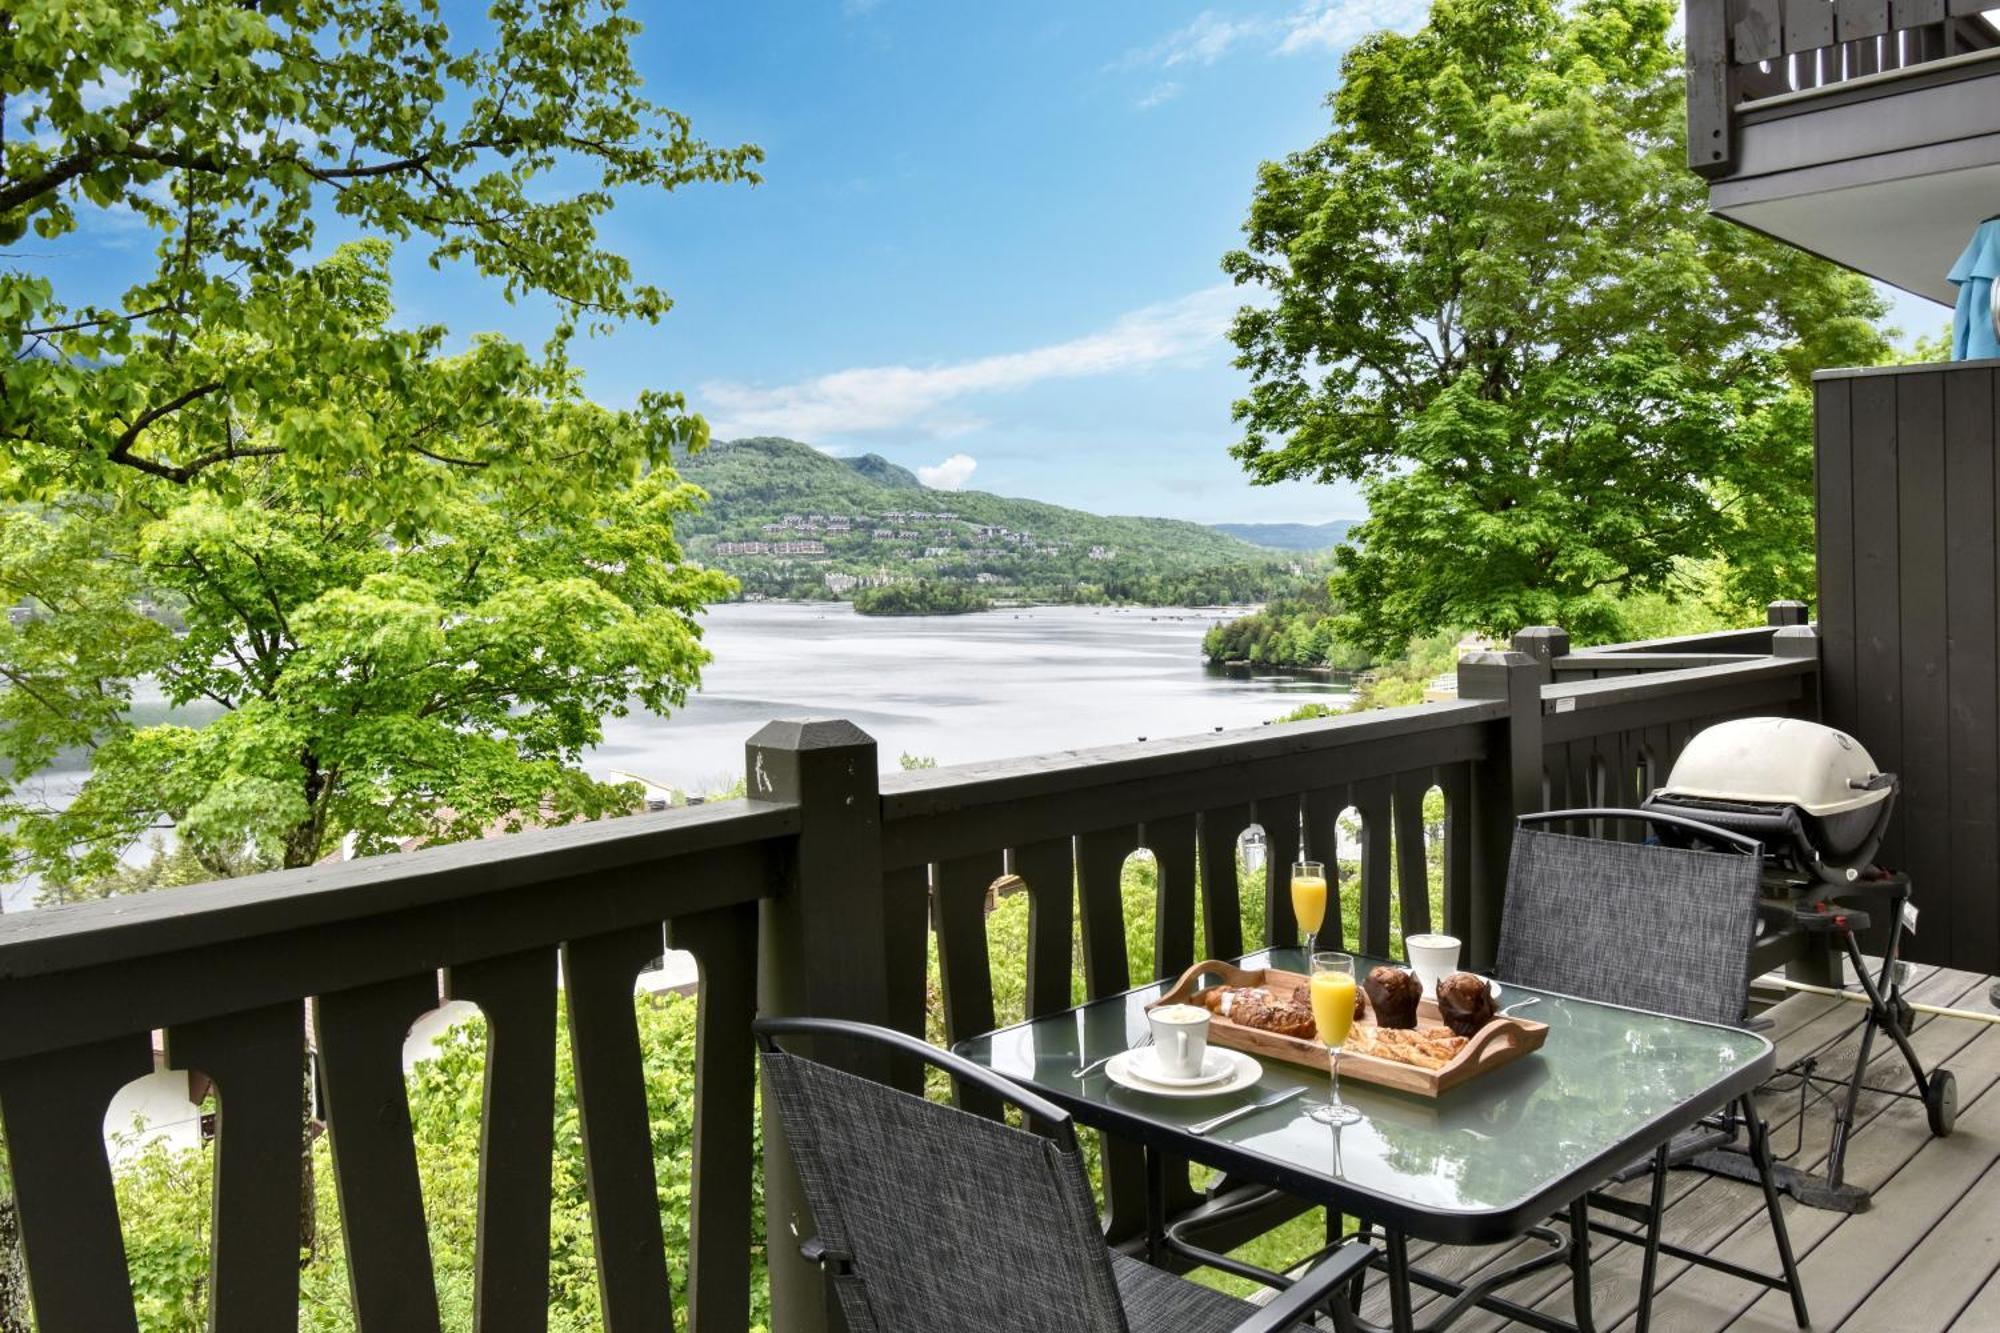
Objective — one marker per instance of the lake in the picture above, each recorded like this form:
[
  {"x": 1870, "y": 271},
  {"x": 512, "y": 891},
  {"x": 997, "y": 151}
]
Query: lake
[{"x": 951, "y": 688}]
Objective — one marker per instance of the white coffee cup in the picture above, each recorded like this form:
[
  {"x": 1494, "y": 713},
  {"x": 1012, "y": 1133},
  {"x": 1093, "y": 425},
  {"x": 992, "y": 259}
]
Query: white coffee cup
[
  {"x": 1180, "y": 1038},
  {"x": 1432, "y": 958}
]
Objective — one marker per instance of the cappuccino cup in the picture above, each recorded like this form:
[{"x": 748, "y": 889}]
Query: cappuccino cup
[
  {"x": 1180, "y": 1038},
  {"x": 1432, "y": 958}
]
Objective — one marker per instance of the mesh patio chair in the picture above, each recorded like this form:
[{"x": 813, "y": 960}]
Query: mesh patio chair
[
  {"x": 931, "y": 1218},
  {"x": 1667, "y": 929}
]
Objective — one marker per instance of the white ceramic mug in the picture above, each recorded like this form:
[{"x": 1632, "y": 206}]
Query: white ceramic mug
[
  {"x": 1180, "y": 1038},
  {"x": 1432, "y": 958}
]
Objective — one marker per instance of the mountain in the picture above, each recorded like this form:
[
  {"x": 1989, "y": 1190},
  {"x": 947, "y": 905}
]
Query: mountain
[
  {"x": 790, "y": 521},
  {"x": 884, "y": 473},
  {"x": 1291, "y": 536}
]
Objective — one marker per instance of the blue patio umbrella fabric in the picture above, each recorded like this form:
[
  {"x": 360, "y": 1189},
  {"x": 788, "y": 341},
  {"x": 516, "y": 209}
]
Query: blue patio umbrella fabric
[{"x": 1973, "y": 334}]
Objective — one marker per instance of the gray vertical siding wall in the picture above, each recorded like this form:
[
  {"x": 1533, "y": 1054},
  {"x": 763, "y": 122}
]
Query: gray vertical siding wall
[{"x": 1908, "y": 612}]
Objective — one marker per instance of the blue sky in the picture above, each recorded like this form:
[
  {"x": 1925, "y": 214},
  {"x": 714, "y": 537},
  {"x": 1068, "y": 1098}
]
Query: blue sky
[{"x": 987, "y": 241}]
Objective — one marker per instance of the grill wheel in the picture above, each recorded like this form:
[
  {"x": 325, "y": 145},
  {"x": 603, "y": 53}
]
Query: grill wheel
[{"x": 1941, "y": 1101}]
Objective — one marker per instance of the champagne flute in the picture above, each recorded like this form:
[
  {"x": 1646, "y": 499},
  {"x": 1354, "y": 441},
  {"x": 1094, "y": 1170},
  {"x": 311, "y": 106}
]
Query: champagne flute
[
  {"x": 1333, "y": 1014},
  {"x": 1309, "y": 900}
]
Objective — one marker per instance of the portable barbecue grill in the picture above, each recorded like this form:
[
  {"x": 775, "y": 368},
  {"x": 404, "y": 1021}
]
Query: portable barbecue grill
[
  {"x": 1817, "y": 806},
  {"x": 1812, "y": 806}
]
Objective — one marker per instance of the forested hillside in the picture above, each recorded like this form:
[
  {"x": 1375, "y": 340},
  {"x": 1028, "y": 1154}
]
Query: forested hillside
[{"x": 790, "y": 521}]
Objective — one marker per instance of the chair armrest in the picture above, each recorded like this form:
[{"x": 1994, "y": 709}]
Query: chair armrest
[{"x": 1299, "y": 1300}]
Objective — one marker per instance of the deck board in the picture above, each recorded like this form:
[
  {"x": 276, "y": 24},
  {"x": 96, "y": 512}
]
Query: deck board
[{"x": 1925, "y": 1258}]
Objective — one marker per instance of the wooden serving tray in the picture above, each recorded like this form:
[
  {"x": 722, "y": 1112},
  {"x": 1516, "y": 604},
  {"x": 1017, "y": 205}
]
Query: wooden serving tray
[{"x": 1500, "y": 1042}]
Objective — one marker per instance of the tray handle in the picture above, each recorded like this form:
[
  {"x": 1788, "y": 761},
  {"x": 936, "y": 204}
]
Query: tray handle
[
  {"x": 1495, "y": 1043},
  {"x": 1231, "y": 975}
]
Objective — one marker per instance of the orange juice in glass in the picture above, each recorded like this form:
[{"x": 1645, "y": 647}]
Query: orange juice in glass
[
  {"x": 1309, "y": 899},
  {"x": 1333, "y": 1014}
]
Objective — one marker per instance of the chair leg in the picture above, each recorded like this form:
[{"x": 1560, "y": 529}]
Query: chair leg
[
  {"x": 1655, "y": 1217},
  {"x": 1579, "y": 1264},
  {"x": 1760, "y": 1153},
  {"x": 1357, "y": 1290}
]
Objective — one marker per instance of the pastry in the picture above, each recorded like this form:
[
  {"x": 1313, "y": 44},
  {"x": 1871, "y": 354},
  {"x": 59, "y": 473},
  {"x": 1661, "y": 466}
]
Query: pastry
[
  {"x": 1429, "y": 1047},
  {"x": 1267, "y": 1013},
  {"x": 1465, "y": 1003},
  {"x": 1255, "y": 1007},
  {"x": 1393, "y": 995}
]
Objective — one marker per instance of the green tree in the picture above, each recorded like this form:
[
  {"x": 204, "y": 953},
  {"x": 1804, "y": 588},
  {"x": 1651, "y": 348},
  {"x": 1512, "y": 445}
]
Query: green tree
[
  {"x": 426, "y": 674},
  {"x": 236, "y": 131},
  {"x": 412, "y": 579},
  {"x": 1500, "y": 306}
]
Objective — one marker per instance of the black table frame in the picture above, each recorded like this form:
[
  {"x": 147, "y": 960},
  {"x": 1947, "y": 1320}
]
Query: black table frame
[{"x": 1400, "y": 1221}]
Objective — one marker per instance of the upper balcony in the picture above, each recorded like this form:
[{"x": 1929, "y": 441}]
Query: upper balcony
[{"x": 1865, "y": 131}]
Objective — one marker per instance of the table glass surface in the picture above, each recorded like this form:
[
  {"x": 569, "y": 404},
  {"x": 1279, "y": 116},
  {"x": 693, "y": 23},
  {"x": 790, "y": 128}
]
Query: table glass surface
[{"x": 1604, "y": 1076}]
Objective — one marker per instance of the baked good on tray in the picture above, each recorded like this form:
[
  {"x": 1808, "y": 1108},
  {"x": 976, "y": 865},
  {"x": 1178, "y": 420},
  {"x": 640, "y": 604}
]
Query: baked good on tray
[
  {"x": 1465, "y": 1003},
  {"x": 1256, "y": 1007},
  {"x": 1427, "y": 1047},
  {"x": 1393, "y": 995}
]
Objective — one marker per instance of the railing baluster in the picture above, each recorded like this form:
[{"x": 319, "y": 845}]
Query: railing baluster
[
  {"x": 257, "y": 1061},
  {"x": 517, "y": 995},
  {"x": 1413, "y": 873},
  {"x": 53, "y": 1109},
  {"x": 964, "y": 969},
  {"x": 599, "y": 972},
  {"x": 360, "y": 1033},
  {"x": 1172, "y": 841},
  {"x": 1221, "y": 904},
  {"x": 1371, "y": 799},
  {"x": 1279, "y": 818},
  {"x": 1456, "y": 782},
  {"x": 1100, "y": 867},
  {"x": 1322, "y": 824},
  {"x": 1049, "y": 869},
  {"x": 724, "y": 943}
]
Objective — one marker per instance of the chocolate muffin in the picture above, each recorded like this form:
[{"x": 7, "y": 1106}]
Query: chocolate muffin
[
  {"x": 1465, "y": 1003},
  {"x": 1393, "y": 995}
]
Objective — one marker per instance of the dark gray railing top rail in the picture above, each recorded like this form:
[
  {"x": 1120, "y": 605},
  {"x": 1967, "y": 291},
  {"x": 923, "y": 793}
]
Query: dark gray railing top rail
[
  {"x": 116, "y": 930},
  {"x": 934, "y": 814},
  {"x": 90, "y": 971}
]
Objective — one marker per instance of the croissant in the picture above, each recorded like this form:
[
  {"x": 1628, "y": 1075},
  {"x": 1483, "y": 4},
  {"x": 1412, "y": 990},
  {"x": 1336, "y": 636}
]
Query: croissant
[{"x": 1465, "y": 1003}]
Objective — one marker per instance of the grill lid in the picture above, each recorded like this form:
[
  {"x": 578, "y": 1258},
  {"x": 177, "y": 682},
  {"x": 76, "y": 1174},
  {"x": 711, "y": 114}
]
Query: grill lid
[{"x": 1778, "y": 761}]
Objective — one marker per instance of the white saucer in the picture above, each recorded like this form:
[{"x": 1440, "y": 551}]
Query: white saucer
[
  {"x": 1215, "y": 1066},
  {"x": 1246, "y": 1073}
]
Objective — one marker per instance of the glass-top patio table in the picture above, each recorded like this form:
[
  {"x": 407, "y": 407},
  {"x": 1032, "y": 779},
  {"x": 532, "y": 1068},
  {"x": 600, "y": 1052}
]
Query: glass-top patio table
[{"x": 1489, "y": 1161}]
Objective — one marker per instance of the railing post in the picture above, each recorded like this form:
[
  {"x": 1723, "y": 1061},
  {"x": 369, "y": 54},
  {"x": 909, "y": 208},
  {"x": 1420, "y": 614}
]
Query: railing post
[
  {"x": 1711, "y": 88},
  {"x": 1801, "y": 641},
  {"x": 822, "y": 951},
  {"x": 1509, "y": 783},
  {"x": 1779, "y": 614},
  {"x": 1544, "y": 643}
]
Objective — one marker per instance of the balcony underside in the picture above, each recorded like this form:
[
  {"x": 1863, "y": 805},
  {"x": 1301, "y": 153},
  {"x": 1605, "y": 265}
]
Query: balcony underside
[{"x": 1887, "y": 174}]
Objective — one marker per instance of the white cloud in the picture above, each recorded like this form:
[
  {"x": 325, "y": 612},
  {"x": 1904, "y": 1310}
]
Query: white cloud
[
  {"x": 950, "y": 475},
  {"x": 1165, "y": 92},
  {"x": 1335, "y": 25},
  {"x": 927, "y": 399},
  {"x": 1205, "y": 40}
]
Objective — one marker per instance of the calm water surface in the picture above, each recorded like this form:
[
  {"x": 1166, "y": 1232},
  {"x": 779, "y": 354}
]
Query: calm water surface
[{"x": 953, "y": 688}]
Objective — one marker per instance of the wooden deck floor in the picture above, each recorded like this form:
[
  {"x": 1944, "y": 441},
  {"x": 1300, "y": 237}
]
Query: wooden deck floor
[{"x": 1924, "y": 1258}]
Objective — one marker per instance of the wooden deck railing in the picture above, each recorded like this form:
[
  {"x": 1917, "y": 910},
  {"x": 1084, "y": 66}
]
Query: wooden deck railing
[
  {"x": 1746, "y": 51},
  {"x": 816, "y": 895}
]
